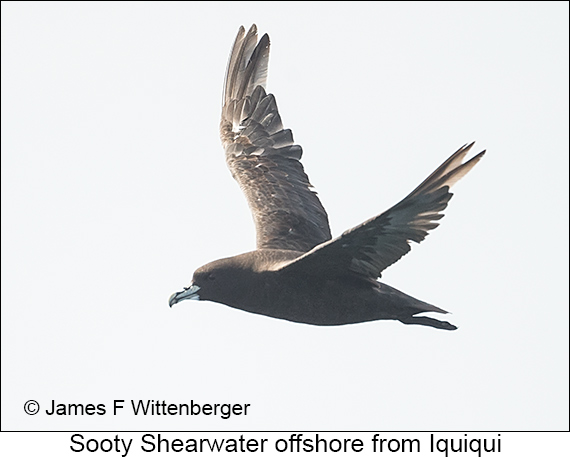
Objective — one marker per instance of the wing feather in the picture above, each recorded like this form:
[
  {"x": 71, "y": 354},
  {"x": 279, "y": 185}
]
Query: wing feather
[
  {"x": 263, "y": 157},
  {"x": 371, "y": 247}
]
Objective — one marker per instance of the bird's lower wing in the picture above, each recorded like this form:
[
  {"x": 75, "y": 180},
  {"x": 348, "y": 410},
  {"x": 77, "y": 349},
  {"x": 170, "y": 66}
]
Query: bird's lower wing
[{"x": 374, "y": 245}]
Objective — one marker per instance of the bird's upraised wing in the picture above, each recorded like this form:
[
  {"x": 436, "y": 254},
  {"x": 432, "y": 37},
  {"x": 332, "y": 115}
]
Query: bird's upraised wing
[
  {"x": 374, "y": 245},
  {"x": 262, "y": 156}
]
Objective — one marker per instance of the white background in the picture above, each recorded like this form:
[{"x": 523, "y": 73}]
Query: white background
[{"x": 114, "y": 189}]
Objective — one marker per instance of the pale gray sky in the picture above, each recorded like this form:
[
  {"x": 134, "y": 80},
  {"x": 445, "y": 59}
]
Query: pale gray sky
[{"x": 114, "y": 189}]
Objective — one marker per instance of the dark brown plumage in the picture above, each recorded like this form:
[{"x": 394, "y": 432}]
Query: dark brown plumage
[{"x": 298, "y": 272}]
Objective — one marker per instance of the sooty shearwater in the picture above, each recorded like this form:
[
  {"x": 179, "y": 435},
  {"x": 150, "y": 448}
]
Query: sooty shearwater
[{"x": 298, "y": 272}]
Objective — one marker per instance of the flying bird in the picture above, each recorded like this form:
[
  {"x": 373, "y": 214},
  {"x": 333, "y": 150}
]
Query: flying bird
[{"x": 298, "y": 272}]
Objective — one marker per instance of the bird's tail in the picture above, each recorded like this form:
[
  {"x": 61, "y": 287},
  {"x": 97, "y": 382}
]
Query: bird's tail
[{"x": 408, "y": 307}]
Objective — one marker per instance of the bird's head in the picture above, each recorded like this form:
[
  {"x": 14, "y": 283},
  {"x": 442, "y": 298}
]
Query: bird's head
[{"x": 220, "y": 281}]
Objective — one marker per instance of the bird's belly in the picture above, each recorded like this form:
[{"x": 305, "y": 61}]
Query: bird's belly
[{"x": 330, "y": 302}]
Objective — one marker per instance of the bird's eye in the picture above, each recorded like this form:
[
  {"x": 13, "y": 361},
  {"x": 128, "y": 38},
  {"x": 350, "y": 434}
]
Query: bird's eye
[{"x": 211, "y": 277}]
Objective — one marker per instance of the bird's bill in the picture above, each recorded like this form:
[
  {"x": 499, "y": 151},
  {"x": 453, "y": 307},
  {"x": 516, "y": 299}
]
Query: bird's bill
[{"x": 189, "y": 293}]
